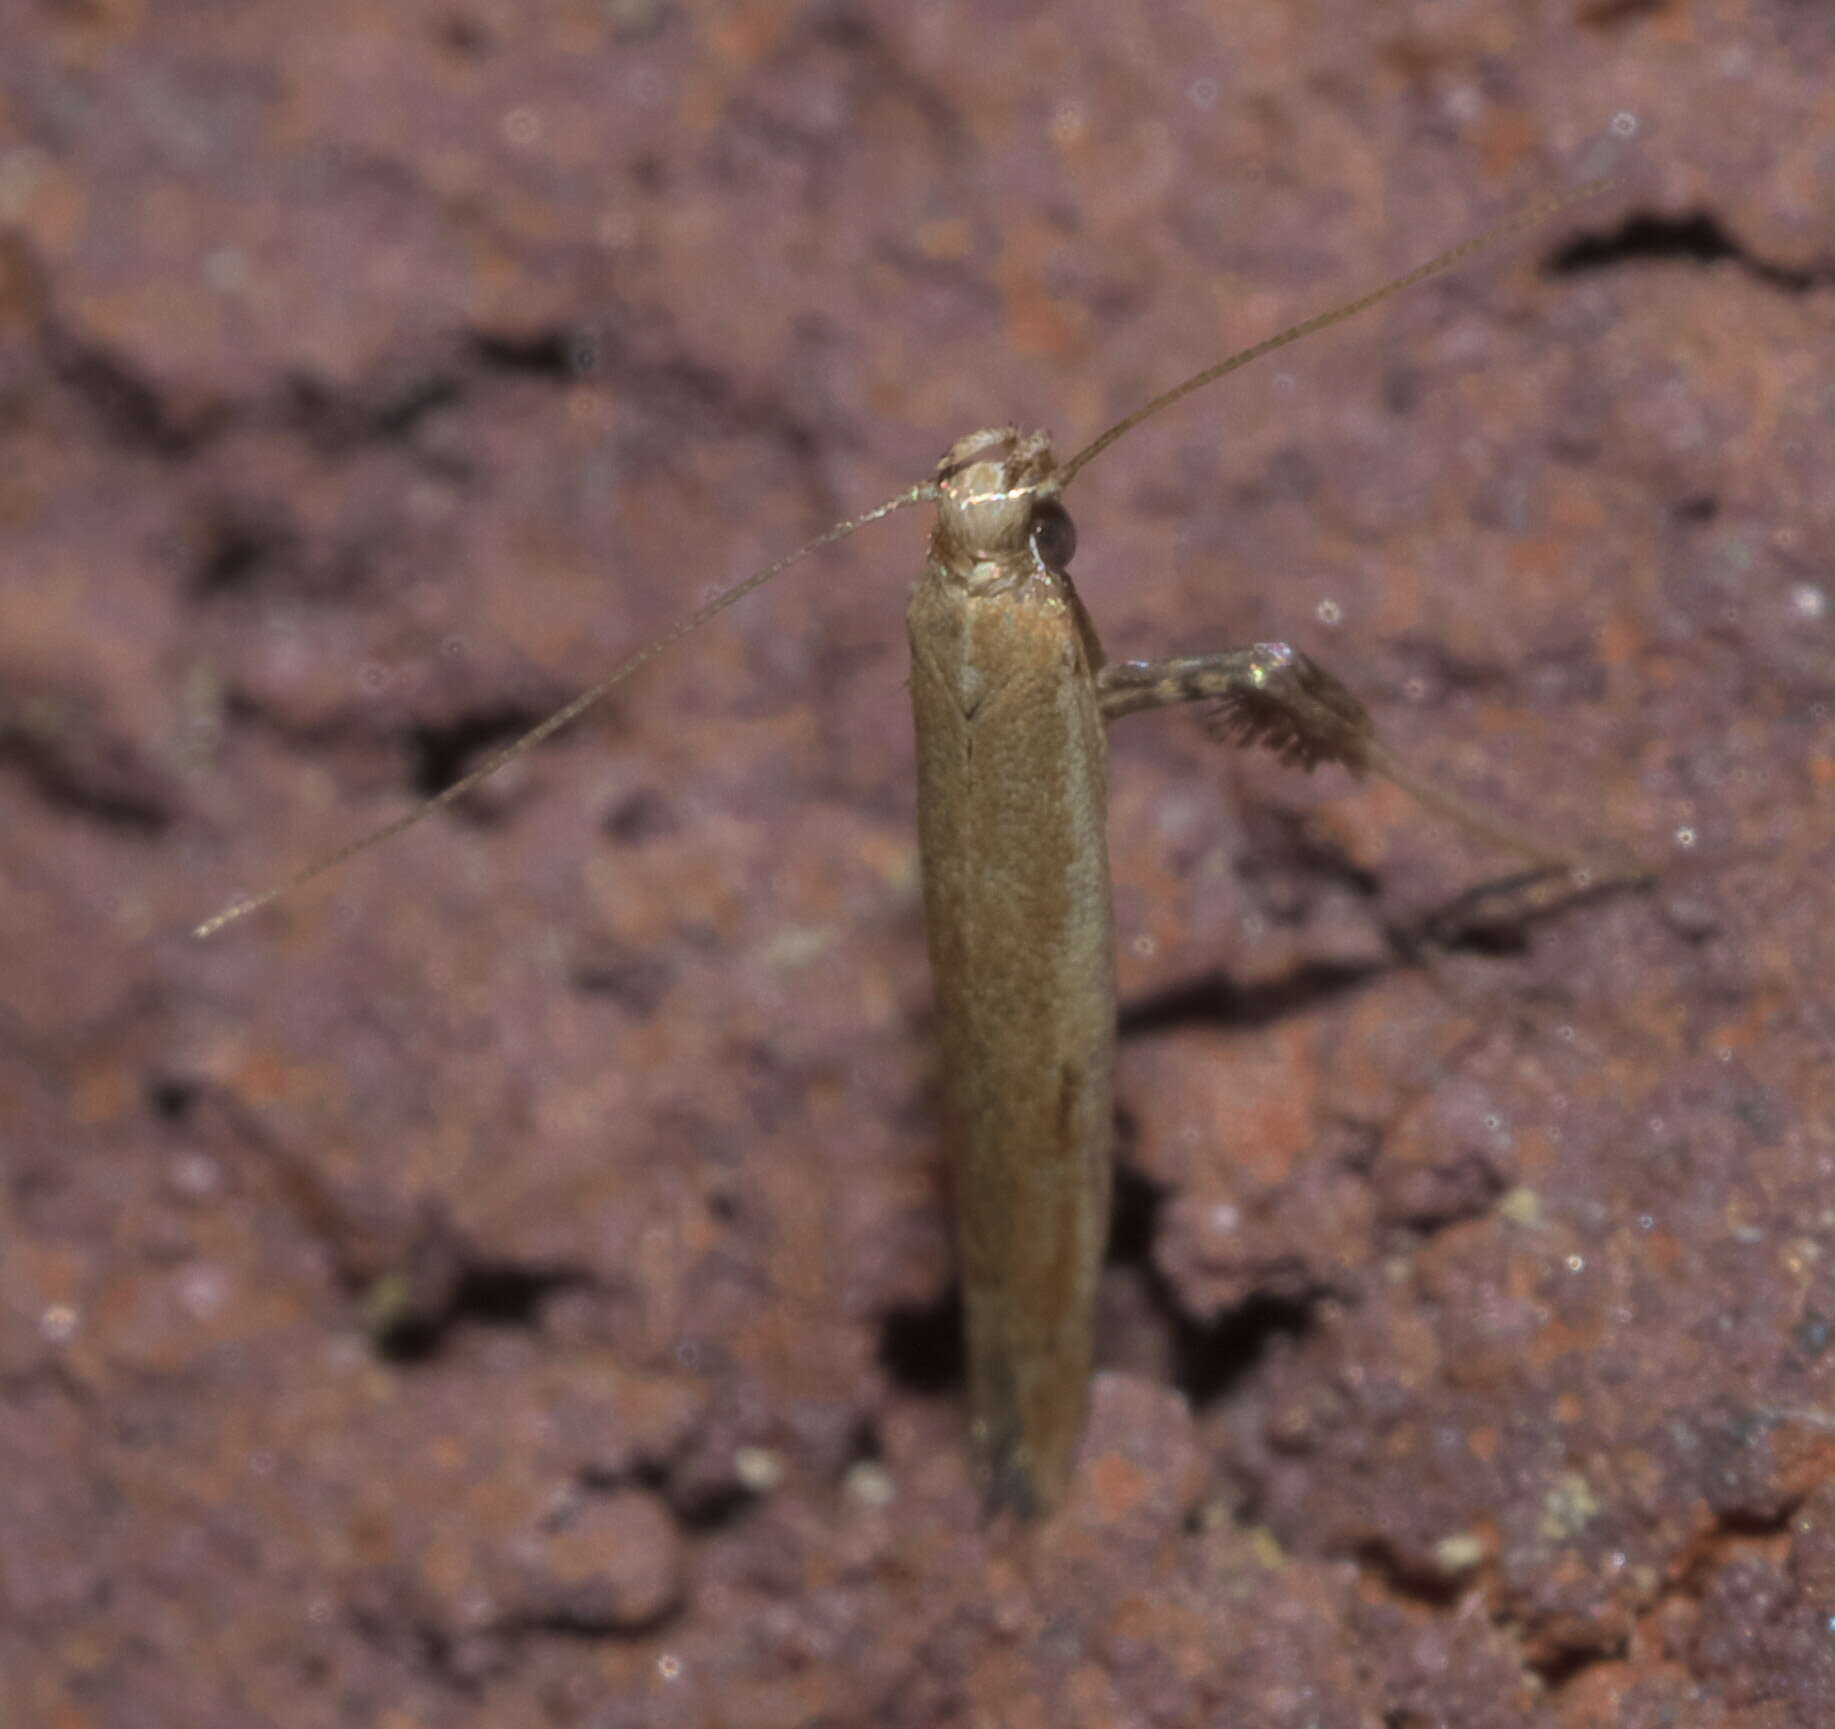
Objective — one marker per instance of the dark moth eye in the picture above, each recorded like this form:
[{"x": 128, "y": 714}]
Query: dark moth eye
[{"x": 1054, "y": 536}]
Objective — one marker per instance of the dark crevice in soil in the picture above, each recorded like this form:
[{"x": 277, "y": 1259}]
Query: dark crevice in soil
[
  {"x": 1214, "y": 1356},
  {"x": 703, "y": 1508},
  {"x": 49, "y": 1378},
  {"x": 444, "y": 752},
  {"x": 1495, "y": 918},
  {"x": 920, "y": 1347},
  {"x": 73, "y": 766},
  {"x": 411, "y": 1633},
  {"x": 464, "y": 36},
  {"x": 1134, "y": 1218},
  {"x": 583, "y": 1626},
  {"x": 241, "y": 709},
  {"x": 336, "y": 421},
  {"x": 1733, "y": 1534},
  {"x": 1444, "y": 674},
  {"x": 131, "y": 410},
  {"x": 136, "y": 414},
  {"x": 1562, "y": 1667},
  {"x": 697, "y": 1479},
  {"x": 677, "y": 388},
  {"x": 637, "y": 983},
  {"x": 1696, "y": 238},
  {"x": 1211, "y": 1357},
  {"x": 1611, "y": 14},
  {"x": 1286, "y": 844},
  {"x": 854, "y": 30},
  {"x": 1745, "y": 1526},
  {"x": 639, "y": 816},
  {"x": 239, "y": 544},
  {"x": 1213, "y": 999},
  {"x": 485, "y": 1293},
  {"x": 553, "y": 353},
  {"x": 412, "y": 1275},
  {"x": 429, "y": 755},
  {"x": 1492, "y": 918},
  {"x": 1412, "y": 1583},
  {"x": 564, "y": 354},
  {"x": 249, "y": 544},
  {"x": 173, "y": 1097},
  {"x": 864, "y": 1446},
  {"x": 1436, "y": 679}
]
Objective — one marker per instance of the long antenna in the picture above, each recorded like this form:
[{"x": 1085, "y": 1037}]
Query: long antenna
[
  {"x": 589, "y": 699},
  {"x": 561, "y": 717},
  {"x": 1538, "y": 212}
]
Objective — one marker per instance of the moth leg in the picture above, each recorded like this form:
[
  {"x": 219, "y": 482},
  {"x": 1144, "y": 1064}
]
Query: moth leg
[{"x": 1274, "y": 696}]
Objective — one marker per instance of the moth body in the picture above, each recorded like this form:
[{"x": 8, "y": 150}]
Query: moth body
[{"x": 1012, "y": 799}]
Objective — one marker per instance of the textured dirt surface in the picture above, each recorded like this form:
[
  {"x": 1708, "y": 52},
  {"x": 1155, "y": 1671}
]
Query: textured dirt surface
[{"x": 509, "y": 1284}]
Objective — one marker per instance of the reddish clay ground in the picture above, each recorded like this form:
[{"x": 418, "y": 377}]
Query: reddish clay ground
[{"x": 510, "y": 1284}]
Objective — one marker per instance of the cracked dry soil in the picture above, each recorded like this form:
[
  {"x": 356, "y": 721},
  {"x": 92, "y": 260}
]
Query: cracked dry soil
[{"x": 509, "y": 1284}]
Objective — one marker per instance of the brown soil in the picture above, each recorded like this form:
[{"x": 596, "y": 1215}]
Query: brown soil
[{"x": 509, "y": 1284}]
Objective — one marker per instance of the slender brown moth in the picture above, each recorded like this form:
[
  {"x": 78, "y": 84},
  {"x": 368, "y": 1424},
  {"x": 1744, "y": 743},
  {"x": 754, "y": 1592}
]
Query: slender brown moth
[{"x": 1012, "y": 696}]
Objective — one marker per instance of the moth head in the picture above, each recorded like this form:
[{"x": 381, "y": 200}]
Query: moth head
[{"x": 997, "y": 505}]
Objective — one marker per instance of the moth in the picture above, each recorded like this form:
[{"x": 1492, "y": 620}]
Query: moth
[{"x": 1012, "y": 696}]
